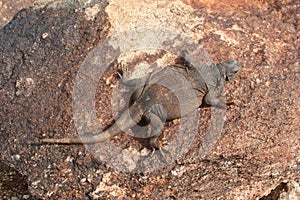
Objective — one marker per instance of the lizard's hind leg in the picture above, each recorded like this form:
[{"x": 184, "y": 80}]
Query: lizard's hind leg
[
  {"x": 156, "y": 116},
  {"x": 157, "y": 123}
]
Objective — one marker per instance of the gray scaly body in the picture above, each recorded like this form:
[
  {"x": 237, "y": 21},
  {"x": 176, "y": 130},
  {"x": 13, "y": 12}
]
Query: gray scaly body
[{"x": 164, "y": 96}]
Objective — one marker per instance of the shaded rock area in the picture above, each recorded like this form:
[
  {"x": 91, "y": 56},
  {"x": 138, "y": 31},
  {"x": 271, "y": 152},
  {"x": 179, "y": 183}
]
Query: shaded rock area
[
  {"x": 258, "y": 153},
  {"x": 40, "y": 53},
  {"x": 12, "y": 183},
  {"x": 9, "y": 8}
]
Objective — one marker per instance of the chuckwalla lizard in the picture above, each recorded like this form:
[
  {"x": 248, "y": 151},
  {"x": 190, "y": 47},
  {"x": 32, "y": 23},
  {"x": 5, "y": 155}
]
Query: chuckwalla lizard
[{"x": 155, "y": 103}]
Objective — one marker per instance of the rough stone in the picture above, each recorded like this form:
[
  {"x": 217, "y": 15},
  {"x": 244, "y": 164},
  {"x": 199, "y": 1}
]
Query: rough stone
[{"x": 42, "y": 49}]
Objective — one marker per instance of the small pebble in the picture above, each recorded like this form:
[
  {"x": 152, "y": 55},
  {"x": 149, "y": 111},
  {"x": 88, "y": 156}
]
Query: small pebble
[
  {"x": 45, "y": 35},
  {"x": 16, "y": 157},
  {"x": 174, "y": 173}
]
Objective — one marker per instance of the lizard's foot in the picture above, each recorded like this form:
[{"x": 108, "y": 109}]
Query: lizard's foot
[
  {"x": 154, "y": 144},
  {"x": 158, "y": 144}
]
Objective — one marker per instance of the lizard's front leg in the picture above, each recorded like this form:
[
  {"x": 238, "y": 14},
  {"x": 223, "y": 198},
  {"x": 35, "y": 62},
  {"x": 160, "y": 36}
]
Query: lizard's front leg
[{"x": 214, "y": 99}]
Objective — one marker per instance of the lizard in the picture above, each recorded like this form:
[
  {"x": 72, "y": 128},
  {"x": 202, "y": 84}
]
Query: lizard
[{"x": 155, "y": 103}]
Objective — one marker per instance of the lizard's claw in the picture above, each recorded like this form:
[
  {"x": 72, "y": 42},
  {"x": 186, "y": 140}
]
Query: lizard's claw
[{"x": 157, "y": 145}]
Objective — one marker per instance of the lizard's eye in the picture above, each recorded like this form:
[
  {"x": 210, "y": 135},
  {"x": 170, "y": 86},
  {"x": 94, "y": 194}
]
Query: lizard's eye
[{"x": 235, "y": 71}]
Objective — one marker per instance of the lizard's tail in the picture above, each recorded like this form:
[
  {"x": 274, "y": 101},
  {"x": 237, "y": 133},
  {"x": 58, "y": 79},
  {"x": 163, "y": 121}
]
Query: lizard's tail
[
  {"x": 125, "y": 121},
  {"x": 110, "y": 132}
]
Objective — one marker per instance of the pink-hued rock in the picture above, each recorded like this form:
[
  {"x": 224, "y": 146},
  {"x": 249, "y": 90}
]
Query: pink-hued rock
[{"x": 256, "y": 156}]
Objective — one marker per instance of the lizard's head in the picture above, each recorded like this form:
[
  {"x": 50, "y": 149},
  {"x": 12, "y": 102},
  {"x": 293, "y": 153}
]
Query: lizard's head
[{"x": 232, "y": 67}]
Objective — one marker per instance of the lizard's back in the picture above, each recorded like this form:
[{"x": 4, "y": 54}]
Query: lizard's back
[{"x": 179, "y": 90}]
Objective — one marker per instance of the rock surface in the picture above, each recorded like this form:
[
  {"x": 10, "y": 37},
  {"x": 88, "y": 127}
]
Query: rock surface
[
  {"x": 9, "y": 8},
  {"x": 258, "y": 151}
]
